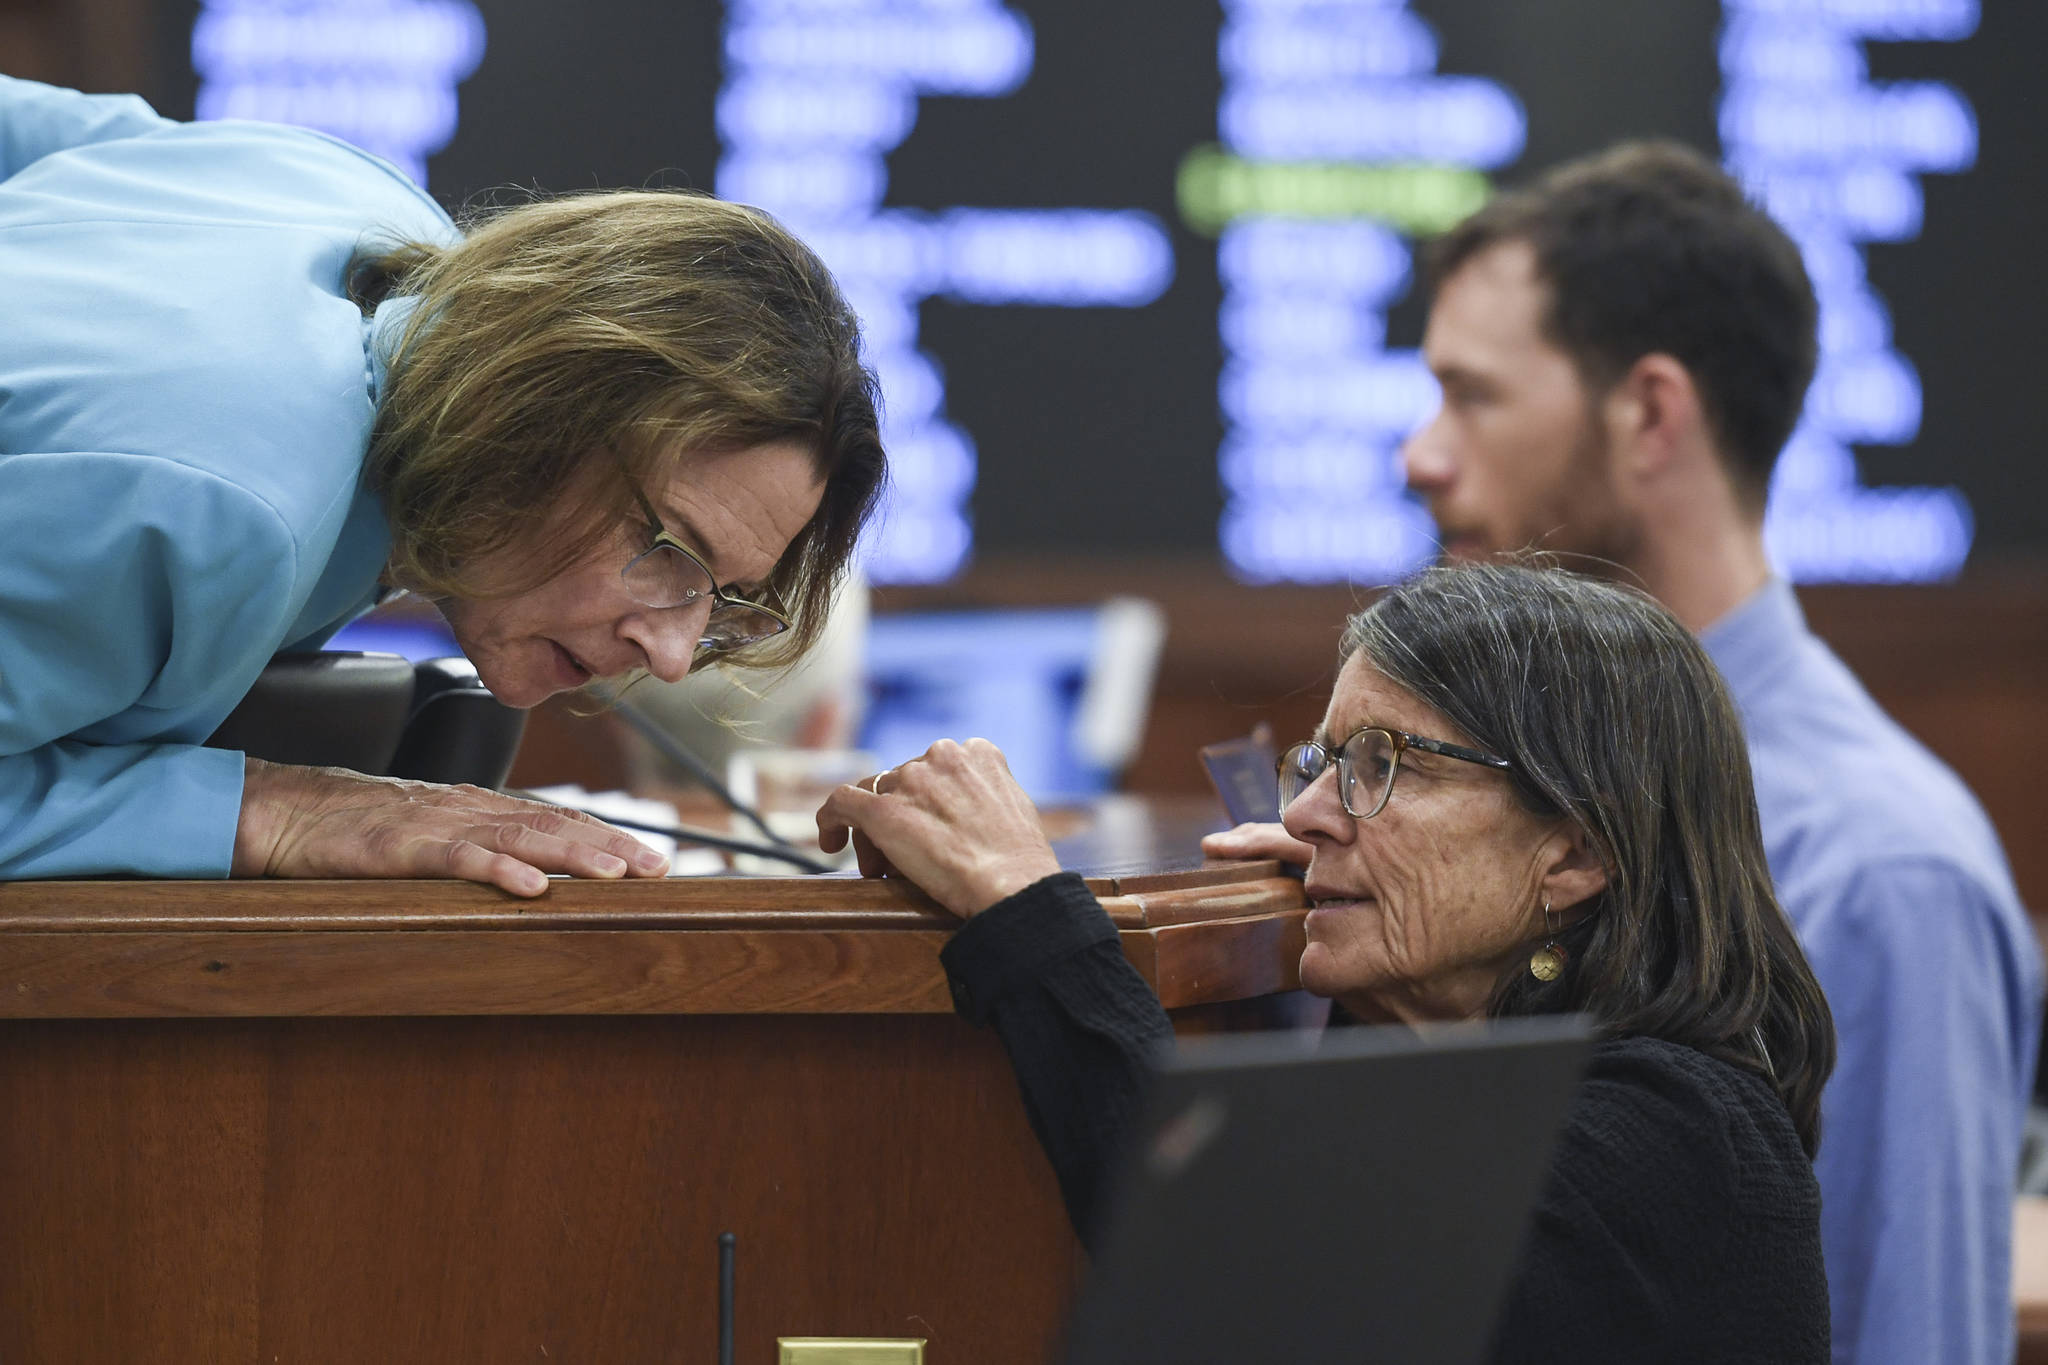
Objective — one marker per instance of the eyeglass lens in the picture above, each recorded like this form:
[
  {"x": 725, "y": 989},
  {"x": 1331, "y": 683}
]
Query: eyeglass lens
[
  {"x": 666, "y": 577},
  {"x": 1365, "y": 771},
  {"x": 735, "y": 623}
]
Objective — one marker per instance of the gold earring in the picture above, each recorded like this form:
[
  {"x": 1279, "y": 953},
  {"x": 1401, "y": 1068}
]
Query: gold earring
[{"x": 1547, "y": 962}]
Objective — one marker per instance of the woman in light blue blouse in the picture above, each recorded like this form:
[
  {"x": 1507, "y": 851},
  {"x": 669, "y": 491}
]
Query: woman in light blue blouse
[{"x": 251, "y": 379}]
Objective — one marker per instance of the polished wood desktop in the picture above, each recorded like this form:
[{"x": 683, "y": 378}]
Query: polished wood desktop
[{"x": 420, "y": 1121}]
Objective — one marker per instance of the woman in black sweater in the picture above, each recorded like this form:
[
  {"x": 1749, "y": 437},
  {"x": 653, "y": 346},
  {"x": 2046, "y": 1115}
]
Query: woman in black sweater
[{"x": 1529, "y": 796}]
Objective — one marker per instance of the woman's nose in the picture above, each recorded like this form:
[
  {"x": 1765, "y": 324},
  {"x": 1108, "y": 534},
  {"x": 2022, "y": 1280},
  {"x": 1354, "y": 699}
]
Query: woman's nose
[
  {"x": 667, "y": 637},
  {"x": 1318, "y": 813}
]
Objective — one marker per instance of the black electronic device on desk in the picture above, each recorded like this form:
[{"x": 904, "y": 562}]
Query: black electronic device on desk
[
  {"x": 381, "y": 714},
  {"x": 1361, "y": 1197}
]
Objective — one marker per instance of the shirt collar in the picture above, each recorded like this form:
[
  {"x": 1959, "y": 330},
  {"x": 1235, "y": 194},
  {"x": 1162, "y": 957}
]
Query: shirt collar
[
  {"x": 381, "y": 333},
  {"x": 1752, "y": 643}
]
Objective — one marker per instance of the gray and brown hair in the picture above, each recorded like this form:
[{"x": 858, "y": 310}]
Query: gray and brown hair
[
  {"x": 1614, "y": 718},
  {"x": 567, "y": 340}
]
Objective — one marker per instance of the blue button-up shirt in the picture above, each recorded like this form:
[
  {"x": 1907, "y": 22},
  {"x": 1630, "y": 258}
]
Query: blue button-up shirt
[
  {"x": 186, "y": 396},
  {"x": 1900, "y": 893}
]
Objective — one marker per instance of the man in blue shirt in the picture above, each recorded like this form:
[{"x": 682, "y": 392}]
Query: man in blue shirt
[{"x": 1623, "y": 349}]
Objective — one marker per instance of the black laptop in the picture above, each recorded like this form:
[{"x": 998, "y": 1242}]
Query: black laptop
[{"x": 1362, "y": 1197}]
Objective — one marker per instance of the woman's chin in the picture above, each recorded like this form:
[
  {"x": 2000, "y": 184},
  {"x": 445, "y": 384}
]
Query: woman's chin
[
  {"x": 1351, "y": 981},
  {"x": 1321, "y": 974},
  {"x": 517, "y": 688}
]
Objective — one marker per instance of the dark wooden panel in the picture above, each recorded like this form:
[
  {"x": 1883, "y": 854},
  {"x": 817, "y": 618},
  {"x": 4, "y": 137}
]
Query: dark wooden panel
[
  {"x": 437, "y": 972},
  {"x": 99, "y": 45},
  {"x": 33, "y": 42},
  {"x": 567, "y": 741},
  {"x": 653, "y": 1067},
  {"x": 1216, "y": 891},
  {"x": 1198, "y": 964},
  {"x": 516, "y": 1189},
  {"x": 715, "y": 946},
  {"x": 696, "y": 903},
  {"x": 1217, "y": 899},
  {"x": 445, "y": 972}
]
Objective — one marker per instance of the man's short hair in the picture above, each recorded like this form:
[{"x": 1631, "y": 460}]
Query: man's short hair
[{"x": 1649, "y": 247}]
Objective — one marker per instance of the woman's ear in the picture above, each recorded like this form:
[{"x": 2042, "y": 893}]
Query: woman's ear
[{"x": 1573, "y": 870}]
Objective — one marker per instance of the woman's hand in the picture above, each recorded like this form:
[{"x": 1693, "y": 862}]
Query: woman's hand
[
  {"x": 329, "y": 822},
  {"x": 1252, "y": 841},
  {"x": 954, "y": 822}
]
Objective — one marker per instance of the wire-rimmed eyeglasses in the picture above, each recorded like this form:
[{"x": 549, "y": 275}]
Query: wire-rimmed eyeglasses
[
  {"x": 669, "y": 573},
  {"x": 1366, "y": 764}
]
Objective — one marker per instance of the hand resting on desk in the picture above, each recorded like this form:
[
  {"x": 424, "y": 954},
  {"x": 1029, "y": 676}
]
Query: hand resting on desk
[
  {"x": 954, "y": 822},
  {"x": 329, "y": 822}
]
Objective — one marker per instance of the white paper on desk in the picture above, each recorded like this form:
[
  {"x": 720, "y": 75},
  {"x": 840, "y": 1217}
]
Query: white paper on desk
[{"x": 683, "y": 862}]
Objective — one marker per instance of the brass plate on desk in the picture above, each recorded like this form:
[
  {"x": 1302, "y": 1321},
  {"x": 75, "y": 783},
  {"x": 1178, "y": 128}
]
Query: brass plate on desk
[{"x": 851, "y": 1350}]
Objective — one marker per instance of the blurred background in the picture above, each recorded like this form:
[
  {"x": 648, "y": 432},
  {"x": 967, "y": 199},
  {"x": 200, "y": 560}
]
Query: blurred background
[{"x": 1116, "y": 397}]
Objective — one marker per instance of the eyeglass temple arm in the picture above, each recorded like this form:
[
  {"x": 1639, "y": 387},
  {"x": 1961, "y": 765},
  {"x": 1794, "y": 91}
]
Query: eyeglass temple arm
[
  {"x": 646, "y": 507},
  {"x": 1437, "y": 746}
]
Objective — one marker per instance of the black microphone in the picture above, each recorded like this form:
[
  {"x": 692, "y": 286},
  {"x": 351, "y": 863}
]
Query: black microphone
[
  {"x": 726, "y": 1247},
  {"x": 667, "y": 746},
  {"x": 780, "y": 851}
]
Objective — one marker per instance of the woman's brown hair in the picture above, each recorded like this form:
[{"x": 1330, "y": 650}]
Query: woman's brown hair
[
  {"x": 569, "y": 348},
  {"x": 1614, "y": 717}
]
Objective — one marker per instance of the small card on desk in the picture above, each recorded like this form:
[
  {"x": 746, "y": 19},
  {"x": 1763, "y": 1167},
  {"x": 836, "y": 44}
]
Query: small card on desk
[{"x": 1246, "y": 777}]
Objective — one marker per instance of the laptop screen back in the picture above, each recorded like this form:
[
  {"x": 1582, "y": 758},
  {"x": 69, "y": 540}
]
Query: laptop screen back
[{"x": 1362, "y": 1201}]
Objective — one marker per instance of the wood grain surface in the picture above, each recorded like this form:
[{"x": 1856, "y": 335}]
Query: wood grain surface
[
  {"x": 710, "y": 902},
  {"x": 255, "y": 1123},
  {"x": 228, "y": 1192},
  {"x": 721, "y": 946}
]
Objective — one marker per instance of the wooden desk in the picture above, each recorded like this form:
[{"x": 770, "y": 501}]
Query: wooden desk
[{"x": 397, "y": 1122}]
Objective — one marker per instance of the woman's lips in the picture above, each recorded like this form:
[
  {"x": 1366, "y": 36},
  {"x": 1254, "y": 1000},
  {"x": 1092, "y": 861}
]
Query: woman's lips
[
  {"x": 568, "y": 671},
  {"x": 1324, "y": 907}
]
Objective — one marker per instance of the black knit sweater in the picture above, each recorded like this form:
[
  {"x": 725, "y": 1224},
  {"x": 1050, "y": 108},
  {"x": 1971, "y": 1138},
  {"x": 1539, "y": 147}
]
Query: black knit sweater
[{"x": 1680, "y": 1220}]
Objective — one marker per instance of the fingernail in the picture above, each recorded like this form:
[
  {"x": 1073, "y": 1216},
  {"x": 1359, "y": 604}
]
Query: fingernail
[
  {"x": 610, "y": 866},
  {"x": 533, "y": 883},
  {"x": 647, "y": 860}
]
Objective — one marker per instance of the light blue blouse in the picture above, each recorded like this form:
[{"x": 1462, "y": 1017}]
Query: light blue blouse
[{"x": 186, "y": 395}]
